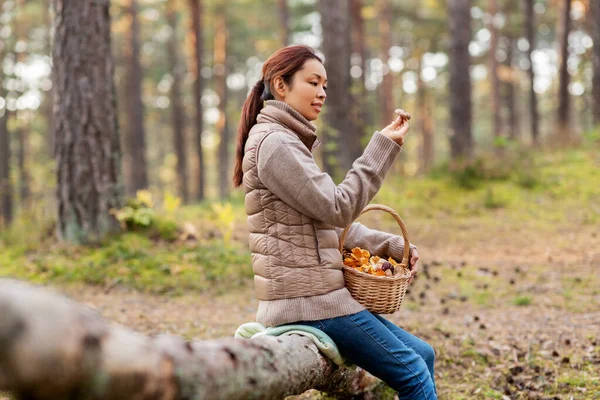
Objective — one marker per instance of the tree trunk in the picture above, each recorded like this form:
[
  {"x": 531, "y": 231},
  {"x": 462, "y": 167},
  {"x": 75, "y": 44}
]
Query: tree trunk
[
  {"x": 493, "y": 75},
  {"x": 22, "y": 135},
  {"x": 360, "y": 107},
  {"x": 49, "y": 95},
  {"x": 509, "y": 95},
  {"x": 136, "y": 135},
  {"x": 177, "y": 109},
  {"x": 336, "y": 48},
  {"x": 425, "y": 120},
  {"x": 385, "y": 40},
  {"x": 461, "y": 139},
  {"x": 595, "y": 9},
  {"x": 563, "y": 75},
  {"x": 284, "y": 24},
  {"x": 52, "y": 348},
  {"x": 530, "y": 35},
  {"x": 6, "y": 203},
  {"x": 221, "y": 71},
  {"x": 22, "y": 132},
  {"x": 196, "y": 9},
  {"x": 88, "y": 154}
]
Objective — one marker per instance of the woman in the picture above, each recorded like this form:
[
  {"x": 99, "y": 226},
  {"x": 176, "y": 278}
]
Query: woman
[{"x": 296, "y": 214}]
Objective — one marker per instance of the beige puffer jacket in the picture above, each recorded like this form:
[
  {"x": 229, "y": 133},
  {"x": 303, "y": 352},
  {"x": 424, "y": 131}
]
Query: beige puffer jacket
[
  {"x": 292, "y": 254},
  {"x": 296, "y": 212}
]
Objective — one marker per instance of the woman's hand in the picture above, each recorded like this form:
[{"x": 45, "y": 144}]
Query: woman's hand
[
  {"x": 414, "y": 257},
  {"x": 398, "y": 128}
]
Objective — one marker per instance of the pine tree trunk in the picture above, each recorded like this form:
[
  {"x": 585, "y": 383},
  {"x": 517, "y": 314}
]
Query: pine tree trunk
[
  {"x": 197, "y": 13},
  {"x": 425, "y": 121},
  {"x": 510, "y": 97},
  {"x": 360, "y": 109},
  {"x": 563, "y": 75},
  {"x": 49, "y": 95},
  {"x": 22, "y": 135},
  {"x": 135, "y": 135},
  {"x": 461, "y": 139},
  {"x": 493, "y": 75},
  {"x": 284, "y": 27},
  {"x": 385, "y": 40},
  {"x": 6, "y": 202},
  {"x": 221, "y": 71},
  {"x": 595, "y": 9},
  {"x": 337, "y": 48},
  {"x": 22, "y": 132},
  {"x": 177, "y": 109},
  {"x": 530, "y": 35},
  {"x": 88, "y": 154},
  {"x": 54, "y": 349}
]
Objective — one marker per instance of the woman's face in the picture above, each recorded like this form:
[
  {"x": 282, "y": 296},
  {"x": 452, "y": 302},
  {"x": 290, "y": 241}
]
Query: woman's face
[{"x": 307, "y": 93}]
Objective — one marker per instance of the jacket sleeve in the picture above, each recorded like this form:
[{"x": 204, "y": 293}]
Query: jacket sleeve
[
  {"x": 377, "y": 242},
  {"x": 287, "y": 168}
]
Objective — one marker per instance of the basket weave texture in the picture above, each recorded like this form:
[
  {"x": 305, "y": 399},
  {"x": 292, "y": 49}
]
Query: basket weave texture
[{"x": 379, "y": 294}]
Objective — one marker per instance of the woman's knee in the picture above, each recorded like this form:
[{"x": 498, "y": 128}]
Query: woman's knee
[{"x": 428, "y": 353}]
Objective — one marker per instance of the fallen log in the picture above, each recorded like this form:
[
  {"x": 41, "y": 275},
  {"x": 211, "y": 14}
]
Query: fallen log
[{"x": 51, "y": 348}]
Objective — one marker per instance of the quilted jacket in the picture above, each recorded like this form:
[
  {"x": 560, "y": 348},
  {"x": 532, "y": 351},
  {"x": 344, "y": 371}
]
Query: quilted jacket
[{"x": 296, "y": 214}]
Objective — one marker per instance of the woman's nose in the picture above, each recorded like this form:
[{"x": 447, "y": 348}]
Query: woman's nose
[{"x": 322, "y": 95}]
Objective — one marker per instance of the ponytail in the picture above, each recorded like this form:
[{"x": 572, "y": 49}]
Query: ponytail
[{"x": 252, "y": 107}]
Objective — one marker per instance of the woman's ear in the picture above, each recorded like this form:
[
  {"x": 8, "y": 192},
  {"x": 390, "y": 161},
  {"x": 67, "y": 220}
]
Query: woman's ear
[{"x": 280, "y": 87}]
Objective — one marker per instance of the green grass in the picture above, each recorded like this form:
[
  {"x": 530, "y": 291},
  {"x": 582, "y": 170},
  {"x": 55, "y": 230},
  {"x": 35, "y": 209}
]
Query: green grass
[
  {"x": 586, "y": 383},
  {"x": 523, "y": 300},
  {"x": 490, "y": 393},
  {"x": 133, "y": 260},
  {"x": 549, "y": 189}
]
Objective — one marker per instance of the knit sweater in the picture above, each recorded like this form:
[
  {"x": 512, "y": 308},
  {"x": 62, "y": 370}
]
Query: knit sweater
[{"x": 296, "y": 214}]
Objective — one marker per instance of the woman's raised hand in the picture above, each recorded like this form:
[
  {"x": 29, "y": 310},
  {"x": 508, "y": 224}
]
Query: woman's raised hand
[{"x": 398, "y": 128}]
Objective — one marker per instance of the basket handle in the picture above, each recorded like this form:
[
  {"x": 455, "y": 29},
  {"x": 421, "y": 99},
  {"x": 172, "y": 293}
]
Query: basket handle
[{"x": 394, "y": 214}]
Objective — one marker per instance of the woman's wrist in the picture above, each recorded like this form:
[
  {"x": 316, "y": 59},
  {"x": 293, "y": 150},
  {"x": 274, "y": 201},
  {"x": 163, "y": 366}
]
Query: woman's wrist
[
  {"x": 398, "y": 141},
  {"x": 394, "y": 138}
]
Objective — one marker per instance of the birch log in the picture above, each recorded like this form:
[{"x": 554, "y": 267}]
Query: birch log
[{"x": 52, "y": 348}]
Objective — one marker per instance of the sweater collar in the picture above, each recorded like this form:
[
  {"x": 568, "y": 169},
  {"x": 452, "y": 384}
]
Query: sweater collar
[{"x": 282, "y": 113}]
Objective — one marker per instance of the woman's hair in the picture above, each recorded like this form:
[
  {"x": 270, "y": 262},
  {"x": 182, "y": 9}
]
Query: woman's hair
[{"x": 284, "y": 62}]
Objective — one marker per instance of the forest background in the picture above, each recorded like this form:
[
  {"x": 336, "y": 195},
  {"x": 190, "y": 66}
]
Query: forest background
[{"x": 498, "y": 182}]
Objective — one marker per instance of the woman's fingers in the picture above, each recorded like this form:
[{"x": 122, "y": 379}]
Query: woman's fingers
[
  {"x": 413, "y": 260},
  {"x": 397, "y": 128},
  {"x": 413, "y": 273},
  {"x": 399, "y": 123},
  {"x": 414, "y": 256},
  {"x": 401, "y": 117},
  {"x": 405, "y": 115}
]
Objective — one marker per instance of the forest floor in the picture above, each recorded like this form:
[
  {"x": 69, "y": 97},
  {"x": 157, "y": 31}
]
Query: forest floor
[
  {"x": 516, "y": 321},
  {"x": 508, "y": 295}
]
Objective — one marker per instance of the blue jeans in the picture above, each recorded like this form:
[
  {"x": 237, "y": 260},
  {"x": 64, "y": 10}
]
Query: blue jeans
[{"x": 403, "y": 361}]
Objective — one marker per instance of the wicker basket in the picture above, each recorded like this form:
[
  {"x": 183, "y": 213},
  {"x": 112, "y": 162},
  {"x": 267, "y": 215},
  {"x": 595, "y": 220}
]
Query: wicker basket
[{"x": 379, "y": 294}]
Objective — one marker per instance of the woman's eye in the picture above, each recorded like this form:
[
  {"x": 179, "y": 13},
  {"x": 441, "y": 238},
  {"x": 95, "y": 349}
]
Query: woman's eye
[
  {"x": 314, "y": 83},
  {"x": 325, "y": 88}
]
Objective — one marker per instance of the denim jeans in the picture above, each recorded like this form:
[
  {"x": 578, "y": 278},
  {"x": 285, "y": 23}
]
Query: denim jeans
[{"x": 403, "y": 361}]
